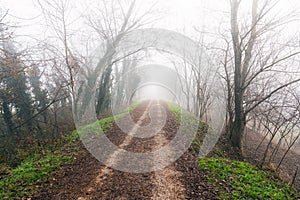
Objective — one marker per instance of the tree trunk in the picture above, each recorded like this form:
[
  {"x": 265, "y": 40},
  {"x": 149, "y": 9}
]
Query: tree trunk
[
  {"x": 7, "y": 117},
  {"x": 239, "y": 121},
  {"x": 104, "y": 92},
  {"x": 236, "y": 134}
]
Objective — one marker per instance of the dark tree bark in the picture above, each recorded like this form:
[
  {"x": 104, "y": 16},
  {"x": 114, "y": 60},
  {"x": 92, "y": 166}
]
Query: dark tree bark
[{"x": 7, "y": 117}]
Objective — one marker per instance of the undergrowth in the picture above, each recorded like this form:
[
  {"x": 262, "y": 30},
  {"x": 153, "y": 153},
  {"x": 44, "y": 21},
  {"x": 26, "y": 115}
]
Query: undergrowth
[
  {"x": 24, "y": 179},
  {"x": 241, "y": 180},
  {"x": 37, "y": 166},
  {"x": 103, "y": 124},
  {"x": 190, "y": 123},
  {"x": 234, "y": 179}
]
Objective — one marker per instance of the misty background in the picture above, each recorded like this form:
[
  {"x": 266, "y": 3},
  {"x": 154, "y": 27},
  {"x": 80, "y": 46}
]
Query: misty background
[{"x": 60, "y": 58}]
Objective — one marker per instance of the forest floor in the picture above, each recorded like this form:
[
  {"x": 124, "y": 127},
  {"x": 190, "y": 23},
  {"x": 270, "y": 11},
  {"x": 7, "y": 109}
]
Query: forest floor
[
  {"x": 289, "y": 165},
  {"x": 87, "y": 178}
]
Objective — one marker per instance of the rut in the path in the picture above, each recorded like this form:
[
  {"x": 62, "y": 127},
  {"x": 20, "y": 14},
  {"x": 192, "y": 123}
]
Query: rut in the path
[
  {"x": 180, "y": 180},
  {"x": 165, "y": 184},
  {"x": 114, "y": 157}
]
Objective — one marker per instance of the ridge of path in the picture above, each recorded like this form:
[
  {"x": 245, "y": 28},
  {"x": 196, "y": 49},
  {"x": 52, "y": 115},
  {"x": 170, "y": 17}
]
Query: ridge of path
[{"x": 87, "y": 178}]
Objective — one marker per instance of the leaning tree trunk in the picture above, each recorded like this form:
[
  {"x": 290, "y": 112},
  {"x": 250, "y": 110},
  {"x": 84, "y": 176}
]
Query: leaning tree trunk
[{"x": 104, "y": 91}]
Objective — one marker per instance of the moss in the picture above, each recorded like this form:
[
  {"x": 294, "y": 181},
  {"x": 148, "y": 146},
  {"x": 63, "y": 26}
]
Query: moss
[
  {"x": 244, "y": 180},
  {"x": 37, "y": 167},
  {"x": 104, "y": 124},
  {"x": 188, "y": 120},
  {"x": 34, "y": 169}
]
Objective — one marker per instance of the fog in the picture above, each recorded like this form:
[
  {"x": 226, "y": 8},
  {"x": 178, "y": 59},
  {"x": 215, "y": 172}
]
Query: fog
[{"x": 234, "y": 65}]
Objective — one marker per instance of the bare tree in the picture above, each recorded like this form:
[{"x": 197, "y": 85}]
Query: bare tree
[
  {"x": 196, "y": 80},
  {"x": 111, "y": 21},
  {"x": 256, "y": 59},
  {"x": 56, "y": 15},
  {"x": 125, "y": 80}
]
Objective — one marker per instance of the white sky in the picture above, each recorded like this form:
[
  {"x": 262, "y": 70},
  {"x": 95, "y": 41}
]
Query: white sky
[{"x": 177, "y": 15}]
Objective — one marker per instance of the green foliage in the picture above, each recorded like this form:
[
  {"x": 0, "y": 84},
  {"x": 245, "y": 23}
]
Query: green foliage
[
  {"x": 40, "y": 95},
  {"x": 34, "y": 169},
  {"x": 16, "y": 93},
  {"x": 37, "y": 167},
  {"x": 70, "y": 138},
  {"x": 133, "y": 106},
  {"x": 244, "y": 180},
  {"x": 187, "y": 120},
  {"x": 104, "y": 123},
  {"x": 176, "y": 110}
]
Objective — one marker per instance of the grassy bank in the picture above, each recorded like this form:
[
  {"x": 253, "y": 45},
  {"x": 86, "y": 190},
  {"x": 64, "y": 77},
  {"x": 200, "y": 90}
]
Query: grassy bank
[
  {"x": 233, "y": 179},
  {"x": 187, "y": 122},
  {"x": 241, "y": 180},
  {"x": 38, "y": 166}
]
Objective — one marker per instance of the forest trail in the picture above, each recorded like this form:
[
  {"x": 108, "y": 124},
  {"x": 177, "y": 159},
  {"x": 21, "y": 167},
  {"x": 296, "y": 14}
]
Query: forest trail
[{"x": 87, "y": 178}]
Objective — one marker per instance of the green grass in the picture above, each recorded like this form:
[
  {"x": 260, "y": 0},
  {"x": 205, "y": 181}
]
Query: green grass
[
  {"x": 244, "y": 180},
  {"x": 187, "y": 120},
  {"x": 104, "y": 123},
  {"x": 176, "y": 110},
  {"x": 37, "y": 167}
]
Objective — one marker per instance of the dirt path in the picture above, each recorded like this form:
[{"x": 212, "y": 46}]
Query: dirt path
[
  {"x": 167, "y": 182},
  {"x": 87, "y": 178}
]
